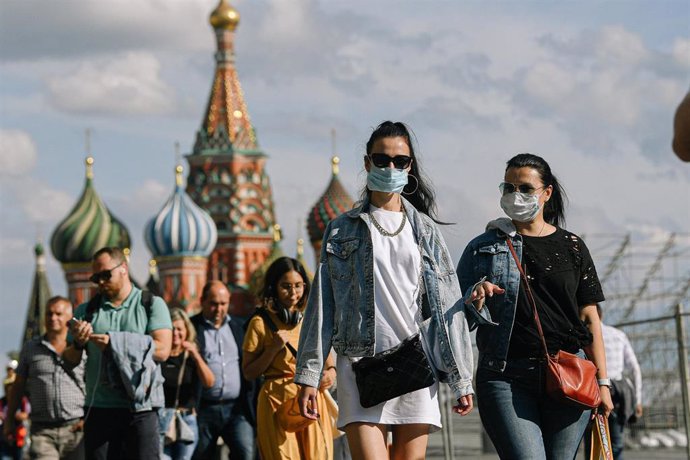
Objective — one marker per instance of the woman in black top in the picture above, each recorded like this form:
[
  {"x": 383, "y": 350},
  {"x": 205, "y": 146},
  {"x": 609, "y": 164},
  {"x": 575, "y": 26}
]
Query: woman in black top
[
  {"x": 182, "y": 398},
  {"x": 521, "y": 419}
]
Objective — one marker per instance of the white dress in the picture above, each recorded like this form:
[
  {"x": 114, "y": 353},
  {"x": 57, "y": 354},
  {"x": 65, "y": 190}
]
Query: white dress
[{"x": 397, "y": 265}]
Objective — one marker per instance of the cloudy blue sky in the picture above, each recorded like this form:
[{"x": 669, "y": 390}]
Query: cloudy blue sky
[{"x": 590, "y": 85}]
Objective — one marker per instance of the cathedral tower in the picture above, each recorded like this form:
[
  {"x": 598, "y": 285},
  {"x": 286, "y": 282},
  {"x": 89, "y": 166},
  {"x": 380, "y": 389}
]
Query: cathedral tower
[{"x": 227, "y": 174}]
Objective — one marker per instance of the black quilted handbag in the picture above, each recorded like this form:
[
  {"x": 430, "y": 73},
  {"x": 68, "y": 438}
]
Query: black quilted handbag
[{"x": 392, "y": 373}]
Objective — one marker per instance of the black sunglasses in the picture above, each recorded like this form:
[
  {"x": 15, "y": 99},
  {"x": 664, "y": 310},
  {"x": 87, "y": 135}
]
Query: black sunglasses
[
  {"x": 507, "y": 187},
  {"x": 105, "y": 275},
  {"x": 381, "y": 160}
]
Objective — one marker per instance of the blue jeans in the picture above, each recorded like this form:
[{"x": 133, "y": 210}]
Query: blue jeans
[
  {"x": 229, "y": 422},
  {"x": 177, "y": 450},
  {"x": 522, "y": 421}
]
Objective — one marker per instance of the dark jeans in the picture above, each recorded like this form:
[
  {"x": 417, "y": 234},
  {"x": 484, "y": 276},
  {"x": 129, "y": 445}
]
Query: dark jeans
[
  {"x": 111, "y": 434},
  {"x": 616, "y": 432},
  {"x": 229, "y": 422},
  {"x": 522, "y": 421}
]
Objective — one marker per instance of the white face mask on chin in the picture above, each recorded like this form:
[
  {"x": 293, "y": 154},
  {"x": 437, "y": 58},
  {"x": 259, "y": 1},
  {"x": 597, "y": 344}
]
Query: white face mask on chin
[{"x": 521, "y": 207}]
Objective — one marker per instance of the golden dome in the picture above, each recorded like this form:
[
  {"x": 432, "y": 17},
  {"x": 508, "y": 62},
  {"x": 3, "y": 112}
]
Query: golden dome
[{"x": 224, "y": 16}]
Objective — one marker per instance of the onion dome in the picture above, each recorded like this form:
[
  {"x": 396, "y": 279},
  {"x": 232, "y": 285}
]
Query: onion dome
[
  {"x": 89, "y": 227},
  {"x": 256, "y": 281},
  {"x": 224, "y": 16},
  {"x": 181, "y": 228},
  {"x": 334, "y": 201}
]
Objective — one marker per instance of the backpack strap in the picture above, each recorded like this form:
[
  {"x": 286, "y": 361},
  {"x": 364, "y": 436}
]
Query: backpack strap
[
  {"x": 272, "y": 326},
  {"x": 95, "y": 303}
]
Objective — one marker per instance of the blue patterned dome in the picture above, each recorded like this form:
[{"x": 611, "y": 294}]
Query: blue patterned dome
[{"x": 181, "y": 228}]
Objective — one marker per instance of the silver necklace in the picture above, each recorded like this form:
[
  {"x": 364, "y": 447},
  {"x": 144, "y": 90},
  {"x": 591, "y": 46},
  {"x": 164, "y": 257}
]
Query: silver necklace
[{"x": 385, "y": 232}]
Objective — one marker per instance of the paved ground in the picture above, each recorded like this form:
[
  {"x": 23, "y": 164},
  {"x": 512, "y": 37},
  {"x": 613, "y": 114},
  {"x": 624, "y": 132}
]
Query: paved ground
[{"x": 467, "y": 442}]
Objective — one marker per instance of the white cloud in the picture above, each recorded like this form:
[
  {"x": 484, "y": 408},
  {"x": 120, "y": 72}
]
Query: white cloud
[
  {"x": 14, "y": 251},
  {"x": 17, "y": 152},
  {"x": 681, "y": 52},
  {"x": 129, "y": 84},
  {"x": 620, "y": 46}
]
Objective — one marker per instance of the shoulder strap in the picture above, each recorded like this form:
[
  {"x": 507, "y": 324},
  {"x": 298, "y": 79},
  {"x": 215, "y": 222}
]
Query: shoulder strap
[
  {"x": 530, "y": 297},
  {"x": 272, "y": 326},
  {"x": 179, "y": 379},
  {"x": 95, "y": 302}
]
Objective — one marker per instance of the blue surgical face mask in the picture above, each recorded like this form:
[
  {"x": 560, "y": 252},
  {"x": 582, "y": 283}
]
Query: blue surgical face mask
[{"x": 389, "y": 180}]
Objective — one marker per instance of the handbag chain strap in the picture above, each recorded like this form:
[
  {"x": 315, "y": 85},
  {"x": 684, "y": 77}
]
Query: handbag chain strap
[
  {"x": 530, "y": 297},
  {"x": 179, "y": 378}
]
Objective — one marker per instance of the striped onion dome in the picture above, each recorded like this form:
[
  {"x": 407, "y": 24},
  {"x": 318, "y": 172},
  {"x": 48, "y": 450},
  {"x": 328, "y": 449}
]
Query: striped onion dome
[
  {"x": 89, "y": 227},
  {"x": 334, "y": 201},
  {"x": 181, "y": 228}
]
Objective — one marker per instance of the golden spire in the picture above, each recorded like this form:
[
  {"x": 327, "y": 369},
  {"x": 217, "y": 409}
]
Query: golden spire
[
  {"x": 89, "y": 167},
  {"x": 334, "y": 160},
  {"x": 276, "y": 233},
  {"x": 89, "y": 158},
  {"x": 300, "y": 247},
  {"x": 334, "y": 165},
  {"x": 152, "y": 266},
  {"x": 178, "y": 166},
  {"x": 224, "y": 16}
]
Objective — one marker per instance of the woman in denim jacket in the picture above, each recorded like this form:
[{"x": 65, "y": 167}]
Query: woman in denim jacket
[
  {"x": 381, "y": 263},
  {"x": 521, "y": 420}
]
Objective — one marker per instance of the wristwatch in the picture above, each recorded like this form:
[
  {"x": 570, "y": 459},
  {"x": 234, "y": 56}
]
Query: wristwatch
[{"x": 604, "y": 382}]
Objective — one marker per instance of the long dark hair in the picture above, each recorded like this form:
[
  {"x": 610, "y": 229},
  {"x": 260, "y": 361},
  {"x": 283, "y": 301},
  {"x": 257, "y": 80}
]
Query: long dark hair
[
  {"x": 276, "y": 271},
  {"x": 418, "y": 192},
  {"x": 554, "y": 209}
]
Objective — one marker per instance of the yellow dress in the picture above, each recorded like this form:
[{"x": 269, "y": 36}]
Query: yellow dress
[{"x": 315, "y": 442}]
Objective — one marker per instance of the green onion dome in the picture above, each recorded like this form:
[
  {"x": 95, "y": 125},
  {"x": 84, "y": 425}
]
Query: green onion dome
[{"x": 88, "y": 227}]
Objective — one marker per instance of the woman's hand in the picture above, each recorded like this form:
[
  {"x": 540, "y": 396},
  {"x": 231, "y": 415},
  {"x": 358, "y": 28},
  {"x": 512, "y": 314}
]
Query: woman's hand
[
  {"x": 191, "y": 347},
  {"x": 606, "y": 405},
  {"x": 328, "y": 378},
  {"x": 485, "y": 289},
  {"x": 307, "y": 402},
  {"x": 464, "y": 406}
]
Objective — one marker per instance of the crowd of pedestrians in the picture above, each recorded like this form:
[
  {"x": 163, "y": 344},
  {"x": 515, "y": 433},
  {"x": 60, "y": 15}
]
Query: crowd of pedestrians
[{"x": 125, "y": 377}]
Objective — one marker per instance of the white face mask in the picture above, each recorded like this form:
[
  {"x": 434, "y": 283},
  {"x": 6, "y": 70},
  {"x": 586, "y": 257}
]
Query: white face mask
[{"x": 522, "y": 207}]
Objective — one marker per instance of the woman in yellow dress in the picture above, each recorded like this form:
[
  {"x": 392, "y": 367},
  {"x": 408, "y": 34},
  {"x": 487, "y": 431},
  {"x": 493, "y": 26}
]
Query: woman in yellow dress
[{"x": 270, "y": 351}]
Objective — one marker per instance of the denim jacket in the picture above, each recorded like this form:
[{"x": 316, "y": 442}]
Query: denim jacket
[
  {"x": 340, "y": 309},
  {"x": 132, "y": 356},
  {"x": 487, "y": 257}
]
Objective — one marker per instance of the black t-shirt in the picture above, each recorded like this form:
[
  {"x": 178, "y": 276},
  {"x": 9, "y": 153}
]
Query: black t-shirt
[
  {"x": 562, "y": 277},
  {"x": 190, "y": 381}
]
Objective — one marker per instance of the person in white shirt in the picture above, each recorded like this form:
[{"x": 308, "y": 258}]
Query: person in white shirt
[{"x": 626, "y": 393}]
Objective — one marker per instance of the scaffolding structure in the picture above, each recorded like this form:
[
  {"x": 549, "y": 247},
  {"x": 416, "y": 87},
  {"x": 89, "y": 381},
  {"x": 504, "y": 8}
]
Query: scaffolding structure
[{"x": 646, "y": 281}]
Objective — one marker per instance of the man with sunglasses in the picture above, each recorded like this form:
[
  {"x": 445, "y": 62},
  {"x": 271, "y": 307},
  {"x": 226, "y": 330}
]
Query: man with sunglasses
[{"x": 125, "y": 337}]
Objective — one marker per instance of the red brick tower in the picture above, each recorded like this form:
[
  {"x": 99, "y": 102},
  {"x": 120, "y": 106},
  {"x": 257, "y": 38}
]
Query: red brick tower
[{"x": 227, "y": 173}]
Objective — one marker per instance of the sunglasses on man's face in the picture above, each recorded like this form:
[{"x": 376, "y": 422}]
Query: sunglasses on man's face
[
  {"x": 381, "y": 160},
  {"x": 507, "y": 187},
  {"x": 104, "y": 275}
]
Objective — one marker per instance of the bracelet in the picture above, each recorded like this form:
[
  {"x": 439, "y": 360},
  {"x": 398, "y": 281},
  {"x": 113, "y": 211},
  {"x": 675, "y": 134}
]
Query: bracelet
[
  {"x": 331, "y": 367},
  {"x": 604, "y": 382}
]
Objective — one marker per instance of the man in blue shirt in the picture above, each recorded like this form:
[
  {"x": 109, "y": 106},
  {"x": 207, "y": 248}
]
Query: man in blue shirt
[{"x": 227, "y": 408}]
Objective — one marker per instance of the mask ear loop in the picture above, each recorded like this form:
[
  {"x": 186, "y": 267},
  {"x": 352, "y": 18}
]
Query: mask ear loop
[{"x": 416, "y": 185}]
